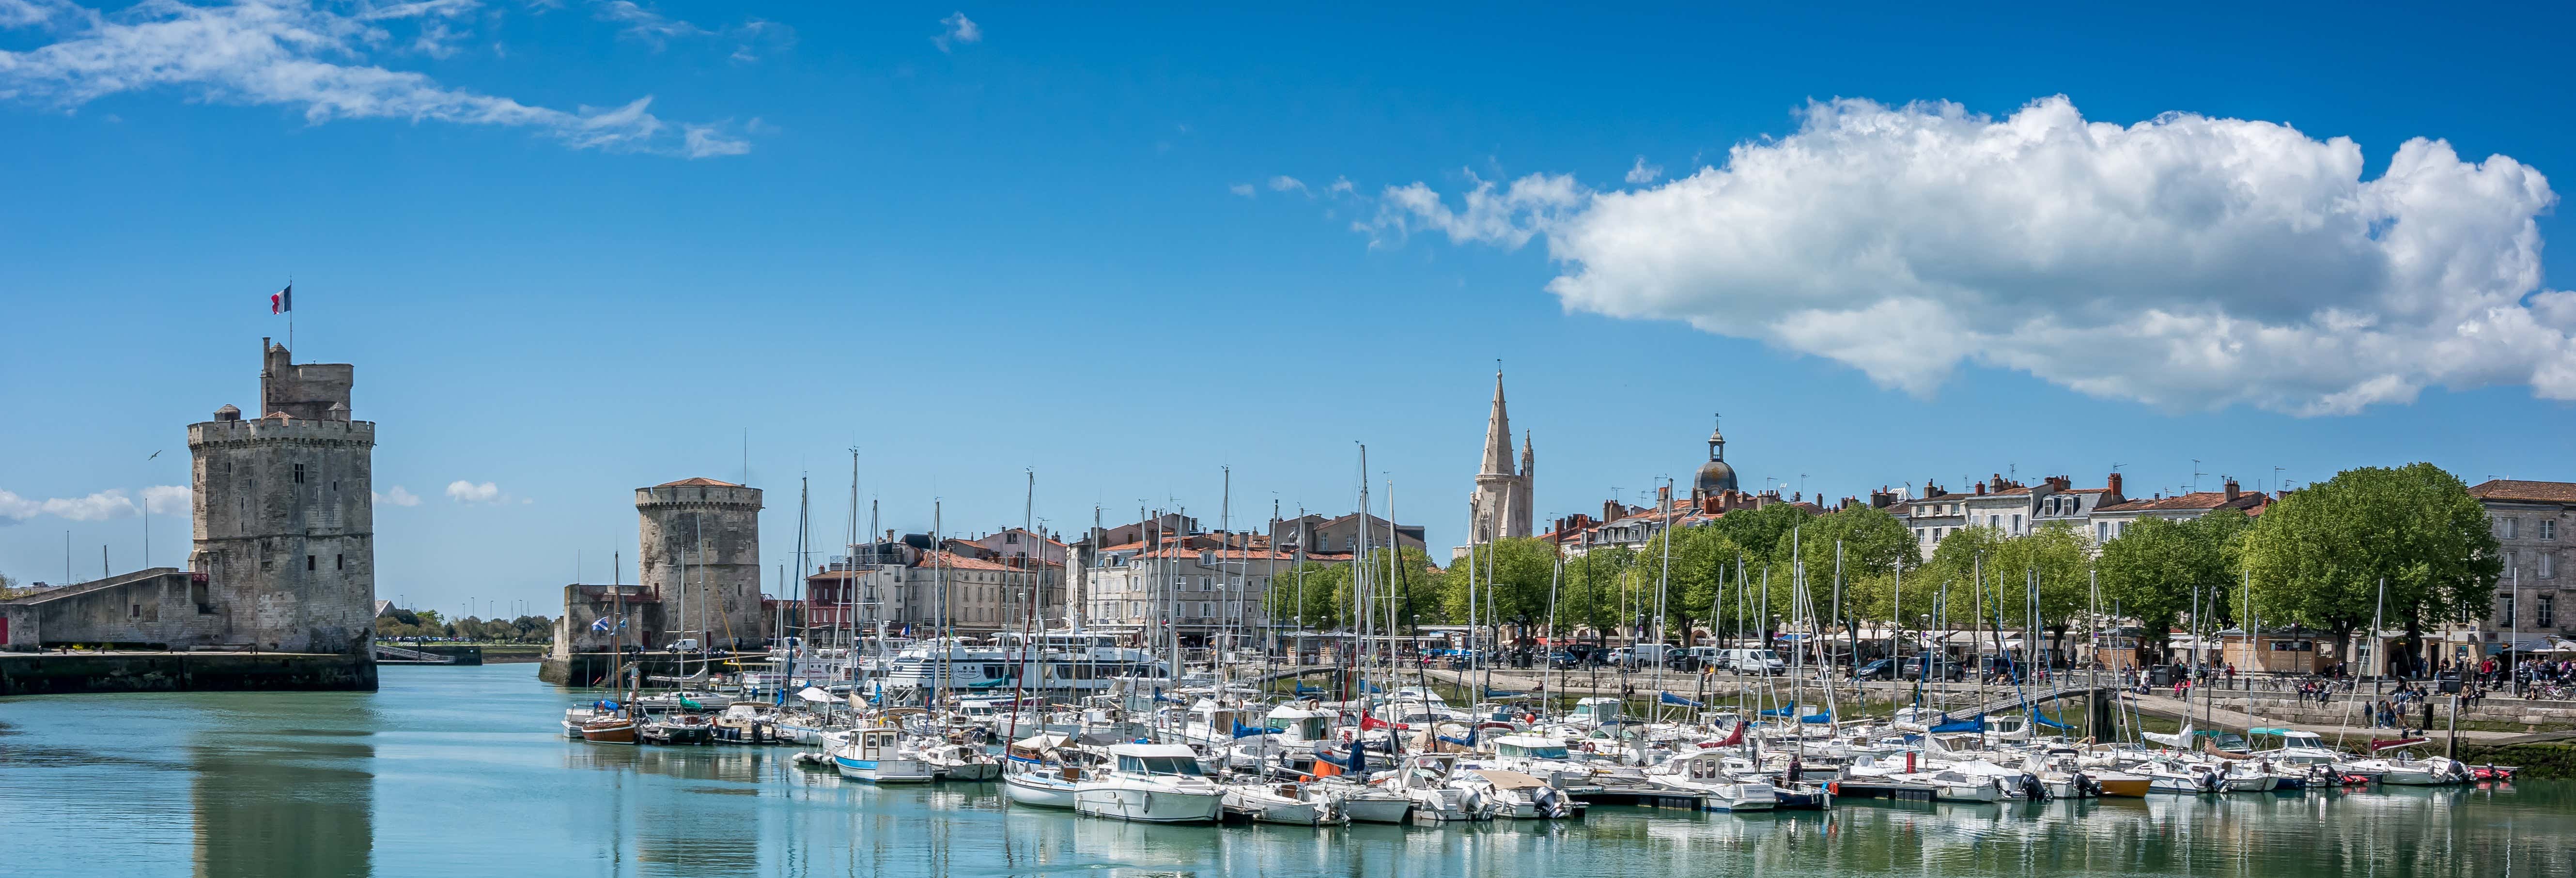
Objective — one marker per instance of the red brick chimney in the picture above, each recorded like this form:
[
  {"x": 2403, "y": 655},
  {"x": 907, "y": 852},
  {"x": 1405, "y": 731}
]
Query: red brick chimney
[
  {"x": 1981, "y": 489},
  {"x": 2115, "y": 485}
]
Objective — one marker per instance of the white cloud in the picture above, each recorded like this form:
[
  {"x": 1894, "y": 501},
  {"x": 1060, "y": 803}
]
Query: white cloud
[
  {"x": 166, "y": 499},
  {"x": 399, "y": 497},
  {"x": 1508, "y": 217},
  {"x": 301, "y": 55},
  {"x": 703, "y": 141},
  {"x": 1285, "y": 183},
  {"x": 1341, "y": 186},
  {"x": 1642, "y": 173},
  {"x": 463, "y": 491},
  {"x": 960, "y": 30},
  {"x": 101, "y": 506},
  {"x": 653, "y": 28},
  {"x": 1243, "y": 189},
  {"x": 2184, "y": 261}
]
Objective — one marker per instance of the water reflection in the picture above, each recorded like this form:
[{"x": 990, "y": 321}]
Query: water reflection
[
  {"x": 281, "y": 805},
  {"x": 462, "y": 771}
]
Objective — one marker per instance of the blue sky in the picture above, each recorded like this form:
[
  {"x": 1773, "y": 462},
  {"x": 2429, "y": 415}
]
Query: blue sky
[{"x": 1066, "y": 245}]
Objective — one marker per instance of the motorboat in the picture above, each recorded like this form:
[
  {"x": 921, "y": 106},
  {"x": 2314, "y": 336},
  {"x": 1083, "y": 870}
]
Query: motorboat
[
  {"x": 2410, "y": 770},
  {"x": 677, "y": 728},
  {"x": 685, "y": 699},
  {"x": 574, "y": 718},
  {"x": 951, "y": 760},
  {"x": 1426, "y": 780},
  {"x": 1365, "y": 803},
  {"x": 1716, "y": 776},
  {"x": 1150, "y": 783},
  {"x": 1040, "y": 771},
  {"x": 1282, "y": 802},
  {"x": 1517, "y": 795},
  {"x": 876, "y": 755}
]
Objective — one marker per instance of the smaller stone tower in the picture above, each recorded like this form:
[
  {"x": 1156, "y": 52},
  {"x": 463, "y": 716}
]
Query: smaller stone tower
[{"x": 700, "y": 541}]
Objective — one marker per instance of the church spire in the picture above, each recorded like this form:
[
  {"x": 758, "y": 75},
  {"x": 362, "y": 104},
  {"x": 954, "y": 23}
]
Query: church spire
[{"x": 1498, "y": 434}]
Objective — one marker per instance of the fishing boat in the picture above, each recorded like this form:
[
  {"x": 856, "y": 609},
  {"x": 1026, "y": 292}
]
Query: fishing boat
[
  {"x": 1150, "y": 783},
  {"x": 875, "y": 755}
]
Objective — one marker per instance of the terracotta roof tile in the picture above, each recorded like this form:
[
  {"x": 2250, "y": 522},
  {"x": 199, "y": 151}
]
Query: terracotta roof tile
[
  {"x": 2513, "y": 489},
  {"x": 698, "y": 482}
]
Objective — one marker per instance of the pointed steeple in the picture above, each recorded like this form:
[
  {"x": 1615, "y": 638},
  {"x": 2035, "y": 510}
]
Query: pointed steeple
[
  {"x": 1498, "y": 434},
  {"x": 1529, "y": 457}
]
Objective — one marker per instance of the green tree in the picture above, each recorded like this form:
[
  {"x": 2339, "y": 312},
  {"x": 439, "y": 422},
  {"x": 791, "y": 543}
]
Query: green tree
[
  {"x": 2318, "y": 555},
  {"x": 1763, "y": 532},
  {"x": 2153, "y": 569},
  {"x": 1590, "y": 595},
  {"x": 1521, "y": 572}
]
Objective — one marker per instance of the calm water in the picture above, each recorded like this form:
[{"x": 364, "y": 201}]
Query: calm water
[{"x": 453, "y": 771}]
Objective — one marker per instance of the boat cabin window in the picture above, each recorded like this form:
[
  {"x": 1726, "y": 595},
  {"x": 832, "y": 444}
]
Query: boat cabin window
[
  {"x": 1159, "y": 765},
  {"x": 1311, "y": 728},
  {"x": 1530, "y": 752}
]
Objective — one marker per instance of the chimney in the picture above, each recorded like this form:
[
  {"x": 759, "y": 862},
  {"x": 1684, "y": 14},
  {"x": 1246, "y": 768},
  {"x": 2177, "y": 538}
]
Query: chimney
[
  {"x": 2115, "y": 484},
  {"x": 1981, "y": 489},
  {"x": 1664, "y": 496},
  {"x": 1609, "y": 510},
  {"x": 2231, "y": 489}
]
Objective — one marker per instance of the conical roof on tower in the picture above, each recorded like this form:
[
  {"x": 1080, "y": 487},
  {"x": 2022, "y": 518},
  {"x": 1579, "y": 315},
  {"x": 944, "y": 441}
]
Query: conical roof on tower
[{"x": 1498, "y": 434}]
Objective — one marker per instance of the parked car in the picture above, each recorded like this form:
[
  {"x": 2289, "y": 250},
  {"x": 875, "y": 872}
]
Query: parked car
[
  {"x": 1882, "y": 669},
  {"x": 1941, "y": 669},
  {"x": 1752, "y": 661}
]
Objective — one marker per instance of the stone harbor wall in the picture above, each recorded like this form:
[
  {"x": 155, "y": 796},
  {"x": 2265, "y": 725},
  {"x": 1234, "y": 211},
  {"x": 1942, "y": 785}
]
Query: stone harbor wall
[{"x": 57, "y": 673}]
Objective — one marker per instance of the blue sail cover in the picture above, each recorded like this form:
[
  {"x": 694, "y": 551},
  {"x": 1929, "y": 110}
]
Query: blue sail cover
[
  {"x": 1972, "y": 724},
  {"x": 1244, "y": 731},
  {"x": 2037, "y": 719},
  {"x": 1817, "y": 719},
  {"x": 1359, "y": 758},
  {"x": 1789, "y": 709},
  {"x": 1670, "y": 698}
]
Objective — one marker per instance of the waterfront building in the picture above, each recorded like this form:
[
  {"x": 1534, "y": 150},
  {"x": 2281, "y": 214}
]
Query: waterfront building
[
  {"x": 2531, "y": 521},
  {"x": 1203, "y": 587},
  {"x": 914, "y": 588}
]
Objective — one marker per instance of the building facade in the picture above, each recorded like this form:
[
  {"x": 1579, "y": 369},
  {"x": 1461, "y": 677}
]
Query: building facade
[{"x": 2532, "y": 522}]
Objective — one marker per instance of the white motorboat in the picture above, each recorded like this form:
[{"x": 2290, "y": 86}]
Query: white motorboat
[
  {"x": 1518, "y": 796},
  {"x": 1715, "y": 775},
  {"x": 1364, "y": 803},
  {"x": 876, "y": 755},
  {"x": 1150, "y": 783},
  {"x": 1289, "y": 803},
  {"x": 1426, "y": 780},
  {"x": 1041, "y": 771},
  {"x": 685, "y": 699},
  {"x": 2408, "y": 770},
  {"x": 949, "y": 760}
]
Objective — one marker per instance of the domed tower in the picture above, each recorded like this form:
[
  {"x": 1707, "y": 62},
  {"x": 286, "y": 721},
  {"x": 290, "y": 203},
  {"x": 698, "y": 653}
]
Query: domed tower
[{"x": 1716, "y": 476}]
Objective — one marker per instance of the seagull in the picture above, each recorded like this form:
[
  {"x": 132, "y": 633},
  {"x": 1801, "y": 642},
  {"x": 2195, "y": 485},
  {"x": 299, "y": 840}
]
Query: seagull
[{"x": 154, "y": 454}]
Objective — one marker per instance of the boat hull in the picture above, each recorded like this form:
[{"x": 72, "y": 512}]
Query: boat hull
[
  {"x": 1038, "y": 791},
  {"x": 1377, "y": 810},
  {"x": 1148, "y": 806},
  {"x": 882, "y": 771},
  {"x": 2126, "y": 788},
  {"x": 609, "y": 733}
]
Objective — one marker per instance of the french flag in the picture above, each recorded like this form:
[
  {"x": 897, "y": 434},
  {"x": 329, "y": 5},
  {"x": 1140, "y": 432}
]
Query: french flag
[{"x": 282, "y": 301}]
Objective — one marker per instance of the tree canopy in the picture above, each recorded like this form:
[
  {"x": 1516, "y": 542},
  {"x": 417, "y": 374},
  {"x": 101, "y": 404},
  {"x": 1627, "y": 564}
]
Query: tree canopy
[
  {"x": 2318, "y": 555},
  {"x": 2151, "y": 571}
]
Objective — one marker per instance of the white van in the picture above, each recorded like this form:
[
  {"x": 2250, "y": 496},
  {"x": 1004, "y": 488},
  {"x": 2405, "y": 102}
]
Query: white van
[{"x": 1752, "y": 661}]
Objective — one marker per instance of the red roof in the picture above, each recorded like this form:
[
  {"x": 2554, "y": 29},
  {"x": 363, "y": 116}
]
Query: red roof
[
  {"x": 2511, "y": 489},
  {"x": 699, "y": 482},
  {"x": 2202, "y": 500}
]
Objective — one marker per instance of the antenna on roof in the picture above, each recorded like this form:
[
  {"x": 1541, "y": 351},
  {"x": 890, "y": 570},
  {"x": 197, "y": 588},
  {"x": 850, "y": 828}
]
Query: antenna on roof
[{"x": 2196, "y": 474}]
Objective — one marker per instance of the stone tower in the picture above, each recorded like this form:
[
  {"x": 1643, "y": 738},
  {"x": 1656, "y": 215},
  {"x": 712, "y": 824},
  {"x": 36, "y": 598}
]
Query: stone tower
[
  {"x": 1501, "y": 503},
  {"x": 700, "y": 541},
  {"x": 285, "y": 515}
]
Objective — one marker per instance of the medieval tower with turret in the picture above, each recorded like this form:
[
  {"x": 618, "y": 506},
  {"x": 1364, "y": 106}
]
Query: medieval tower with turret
[{"x": 285, "y": 514}]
